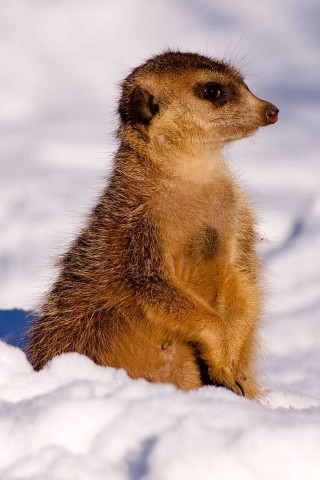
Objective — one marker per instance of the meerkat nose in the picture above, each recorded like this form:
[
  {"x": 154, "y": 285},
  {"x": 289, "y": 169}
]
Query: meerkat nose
[{"x": 272, "y": 114}]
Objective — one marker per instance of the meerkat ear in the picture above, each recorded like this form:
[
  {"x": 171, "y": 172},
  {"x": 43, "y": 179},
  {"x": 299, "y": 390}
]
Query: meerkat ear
[{"x": 141, "y": 107}]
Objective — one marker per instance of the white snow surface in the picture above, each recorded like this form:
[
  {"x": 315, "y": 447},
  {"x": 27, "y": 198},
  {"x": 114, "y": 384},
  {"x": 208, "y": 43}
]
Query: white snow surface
[
  {"x": 76, "y": 420},
  {"x": 60, "y": 66}
]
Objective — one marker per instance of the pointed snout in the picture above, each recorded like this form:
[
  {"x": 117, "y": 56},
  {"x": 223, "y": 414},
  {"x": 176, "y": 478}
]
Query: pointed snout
[
  {"x": 266, "y": 113},
  {"x": 271, "y": 113}
]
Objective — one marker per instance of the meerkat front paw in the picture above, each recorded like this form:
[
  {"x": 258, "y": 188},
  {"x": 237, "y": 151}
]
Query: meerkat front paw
[
  {"x": 235, "y": 387},
  {"x": 226, "y": 378}
]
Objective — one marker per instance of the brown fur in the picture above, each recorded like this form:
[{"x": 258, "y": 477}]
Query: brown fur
[{"x": 164, "y": 279}]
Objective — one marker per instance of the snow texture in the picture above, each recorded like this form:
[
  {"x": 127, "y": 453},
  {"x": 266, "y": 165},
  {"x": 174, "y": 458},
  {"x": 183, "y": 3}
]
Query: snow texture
[{"x": 60, "y": 66}]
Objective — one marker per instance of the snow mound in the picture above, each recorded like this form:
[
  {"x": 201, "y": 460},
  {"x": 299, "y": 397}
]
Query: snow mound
[{"x": 76, "y": 420}]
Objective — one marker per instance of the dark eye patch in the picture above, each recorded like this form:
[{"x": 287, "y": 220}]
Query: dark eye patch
[
  {"x": 216, "y": 93},
  {"x": 213, "y": 91}
]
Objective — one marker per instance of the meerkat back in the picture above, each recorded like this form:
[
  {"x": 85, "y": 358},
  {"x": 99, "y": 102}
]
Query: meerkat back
[{"x": 164, "y": 280}]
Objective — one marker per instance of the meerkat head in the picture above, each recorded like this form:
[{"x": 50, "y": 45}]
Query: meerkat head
[{"x": 187, "y": 101}]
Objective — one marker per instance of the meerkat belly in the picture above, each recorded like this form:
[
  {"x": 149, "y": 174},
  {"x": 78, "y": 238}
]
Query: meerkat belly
[
  {"x": 199, "y": 262},
  {"x": 155, "y": 353}
]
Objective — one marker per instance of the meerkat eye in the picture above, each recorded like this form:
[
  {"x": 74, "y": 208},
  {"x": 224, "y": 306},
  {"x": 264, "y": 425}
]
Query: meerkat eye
[{"x": 212, "y": 91}]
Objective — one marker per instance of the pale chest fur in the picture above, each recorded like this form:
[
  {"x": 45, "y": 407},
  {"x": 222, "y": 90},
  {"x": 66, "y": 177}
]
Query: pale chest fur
[{"x": 198, "y": 226}]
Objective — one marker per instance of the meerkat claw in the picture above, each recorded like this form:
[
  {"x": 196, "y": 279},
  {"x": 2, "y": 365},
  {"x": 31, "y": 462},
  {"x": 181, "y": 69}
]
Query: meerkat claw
[{"x": 240, "y": 389}]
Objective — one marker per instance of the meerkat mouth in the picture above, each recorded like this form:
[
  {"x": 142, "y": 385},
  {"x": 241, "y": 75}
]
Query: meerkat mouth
[{"x": 236, "y": 131}]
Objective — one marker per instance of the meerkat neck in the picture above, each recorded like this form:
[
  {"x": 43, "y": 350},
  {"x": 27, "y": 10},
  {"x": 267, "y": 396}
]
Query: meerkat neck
[
  {"x": 182, "y": 165},
  {"x": 198, "y": 169}
]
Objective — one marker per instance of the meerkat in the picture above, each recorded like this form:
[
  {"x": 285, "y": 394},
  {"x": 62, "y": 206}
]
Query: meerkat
[{"x": 164, "y": 280}]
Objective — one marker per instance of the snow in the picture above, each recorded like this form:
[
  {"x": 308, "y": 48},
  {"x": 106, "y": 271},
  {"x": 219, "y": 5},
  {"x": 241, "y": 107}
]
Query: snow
[
  {"x": 60, "y": 66},
  {"x": 89, "y": 422}
]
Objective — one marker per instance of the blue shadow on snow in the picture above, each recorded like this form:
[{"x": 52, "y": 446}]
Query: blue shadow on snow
[{"x": 12, "y": 326}]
